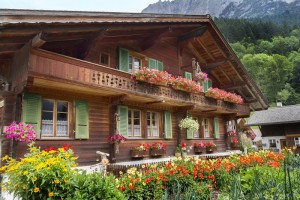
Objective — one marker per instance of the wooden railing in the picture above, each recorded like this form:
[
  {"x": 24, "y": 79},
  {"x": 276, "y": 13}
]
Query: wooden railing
[{"x": 58, "y": 66}]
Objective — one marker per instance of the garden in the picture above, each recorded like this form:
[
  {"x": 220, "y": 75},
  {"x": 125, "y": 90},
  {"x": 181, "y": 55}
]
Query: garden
[{"x": 50, "y": 174}]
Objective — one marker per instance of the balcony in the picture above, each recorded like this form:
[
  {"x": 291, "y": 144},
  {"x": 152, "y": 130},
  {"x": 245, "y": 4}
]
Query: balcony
[{"x": 46, "y": 65}]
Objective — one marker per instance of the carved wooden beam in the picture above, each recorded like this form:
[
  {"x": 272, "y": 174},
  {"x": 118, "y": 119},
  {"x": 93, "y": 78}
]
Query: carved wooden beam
[
  {"x": 194, "y": 33},
  {"x": 213, "y": 65},
  {"x": 234, "y": 86},
  {"x": 38, "y": 40}
]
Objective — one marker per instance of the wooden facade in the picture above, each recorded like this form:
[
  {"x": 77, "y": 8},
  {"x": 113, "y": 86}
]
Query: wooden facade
[{"x": 70, "y": 68}]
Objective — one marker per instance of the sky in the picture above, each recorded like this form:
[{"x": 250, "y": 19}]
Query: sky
[{"x": 79, "y": 5}]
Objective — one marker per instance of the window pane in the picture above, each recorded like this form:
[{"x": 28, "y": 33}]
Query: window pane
[
  {"x": 137, "y": 127},
  {"x": 148, "y": 124},
  {"x": 137, "y": 64},
  {"x": 130, "y": 63},
  {"x": 48, "y": 104},
  {"x": 155, "y": 124},
  {"x": 62, "y": 124},
  {"x": 62, "y": 106},
  {"x": 47, "y": 124}
]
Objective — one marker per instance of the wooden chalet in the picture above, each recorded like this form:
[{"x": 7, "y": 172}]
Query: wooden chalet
[
  {"x": 280, "y": 127},
  {"x": 69, "y": 74}
]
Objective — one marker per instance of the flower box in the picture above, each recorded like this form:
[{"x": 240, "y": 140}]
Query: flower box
[
  {"x": 209, "y": 150},
  {"x": 138, "y": 154},
  {"x": 198, "y": 150},
  {"x": 157, "y": 152}
]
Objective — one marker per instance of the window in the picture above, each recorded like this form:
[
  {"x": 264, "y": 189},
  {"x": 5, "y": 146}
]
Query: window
[
  {"x": 152, "y": 124},
  {"x": 297, "y": 141},
  {"x": 206, "y": 128},
  {"x": 55, "y": 118},
  {"x": 104, "y": 59},
  {"x": 134, "y": 64},
  {"x": 134, "y": 123},
  {"x": 272, "y": 143}
]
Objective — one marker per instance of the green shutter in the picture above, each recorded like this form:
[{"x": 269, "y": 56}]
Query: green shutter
[
  {"x": 189, "y": 134},
  {"x": 32, "y": 111},
  {"x": 82, "y": 120},
  {"x": 168, "y": 125},
  {"x": 160, "y": 65},
  {"x": 209, "y": 84},
  {"x": 216, "y": 128},
  {"x": 205, "y": 86},
  {"x": 152, "y": 64},
  {"x": 188, "y": 75},
  {"x": 123, "y": 59},
  {"x": 123, "y": 123}
]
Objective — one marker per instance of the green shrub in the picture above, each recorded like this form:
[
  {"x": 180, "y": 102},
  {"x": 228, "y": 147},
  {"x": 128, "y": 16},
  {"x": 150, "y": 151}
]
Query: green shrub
[{"x": 93, "y": 186}]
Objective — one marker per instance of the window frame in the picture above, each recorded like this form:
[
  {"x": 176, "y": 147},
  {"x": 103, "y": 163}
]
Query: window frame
[
  {"x": 108, "y": 55},
  {"x": 297, "y": 144},
  {"x": 131, "y": 135},
  {"x": 54, "y": 126},
  {"x": 151, "y": 127},
  {"x": 271, "y": 142},
  {"x": 208, "y": 128}
]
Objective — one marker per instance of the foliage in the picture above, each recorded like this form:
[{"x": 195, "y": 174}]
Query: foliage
[
  {"x": 40, "y": 174},
  {"x": 158, "y": 146},
  {"x": 117, "y": 138},
  {"x": 95, "y": 186},
  {"x": 181, "y": 83},
  {"x": 189, "y": 123},
  {"x": 20, "y": 132},
  {"x": 141, "y": 147}
]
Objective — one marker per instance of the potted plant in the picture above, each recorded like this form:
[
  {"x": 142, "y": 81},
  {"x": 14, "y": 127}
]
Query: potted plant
[
  {"x": 184, "y": 149},
  {"x": 215, "y": 93},
  {"x": 139, "y": 151},
  {"x": 189, "y": 123},
  {"x": 158, "y": 149},
  {"x": 153, "y": 76},
  {"x": 186, "y": 85},
  {"x": 201, "y": 76},
  {"x": 235, "y": 144},
  {"x": 199, "y": 147},
  {"x": 116, "y": 139},
  {"x": 178, "y": 151},
  {"x": 210, "y": 146}
]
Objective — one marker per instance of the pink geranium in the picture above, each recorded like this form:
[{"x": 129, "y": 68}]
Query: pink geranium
[{"x": 20, "y": 132}]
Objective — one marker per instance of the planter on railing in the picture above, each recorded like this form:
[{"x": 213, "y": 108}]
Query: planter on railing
[
  {"x": 138, "y": 154},
  {"x": 157, "y": 152},
  {"x": 199, "y": 150}
]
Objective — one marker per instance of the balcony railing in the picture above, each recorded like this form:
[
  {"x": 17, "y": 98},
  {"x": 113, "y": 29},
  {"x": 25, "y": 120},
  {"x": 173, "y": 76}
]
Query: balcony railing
[{"x": 57, "y": 66}]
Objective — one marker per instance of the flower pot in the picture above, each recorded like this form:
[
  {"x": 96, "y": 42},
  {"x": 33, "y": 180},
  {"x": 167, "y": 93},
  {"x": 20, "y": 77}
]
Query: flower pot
[
  {"x": 184, "y": 154},
  {"x": 198, "y": 150},
  {"x": 138, "y": 154},
  {"x": 177, "y": 154},
  {"x": 209, "y": 150},
  {"x": 157, "y": 152}
]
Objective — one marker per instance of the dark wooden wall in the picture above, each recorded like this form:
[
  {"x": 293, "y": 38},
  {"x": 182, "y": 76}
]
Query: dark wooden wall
[{"x": 166, "y": 51}]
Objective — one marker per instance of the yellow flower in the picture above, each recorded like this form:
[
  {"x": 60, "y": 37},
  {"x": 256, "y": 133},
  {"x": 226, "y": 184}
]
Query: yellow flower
[
  {"x": 5, "y": 158},
  {"x": 105, "y": 161},
  {"x": 34, "y": 178},
  {"x": 51, "y": 194},
  {"x": 56, "y": 181},
  {"x": 36, "y": 190},
  {"x": 23, "y": 187},
  {"x": 25, "y": 173}
]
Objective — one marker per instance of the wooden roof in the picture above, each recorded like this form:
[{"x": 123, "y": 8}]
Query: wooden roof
[{"x": 195, "y": 34}]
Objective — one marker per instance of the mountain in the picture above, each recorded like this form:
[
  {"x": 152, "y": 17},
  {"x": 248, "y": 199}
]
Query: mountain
[{"x": 229, "y": 8}]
